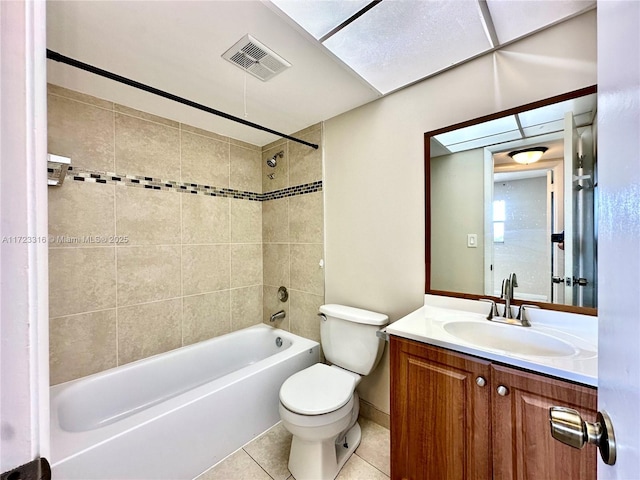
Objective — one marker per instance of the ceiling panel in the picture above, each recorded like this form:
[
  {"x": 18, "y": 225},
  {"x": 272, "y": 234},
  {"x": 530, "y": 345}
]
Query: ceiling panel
[
  {"x": 486, "y": 141},
  {"x": 319, "y": 18},
  {"x": 480, "y": 130},
  {"x": 399, "y": 42},
  {"x": 556, "y": 111},
  {"x": 540, "y": 129},
  {"x": 514, "y": 19}
]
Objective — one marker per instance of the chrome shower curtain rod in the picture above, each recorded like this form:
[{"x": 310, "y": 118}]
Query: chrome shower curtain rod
[{"x": 141, "y": 86}]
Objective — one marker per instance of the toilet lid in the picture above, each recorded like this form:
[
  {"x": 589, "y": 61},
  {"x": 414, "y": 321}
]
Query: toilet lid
[{"x": 316, "y": 390}]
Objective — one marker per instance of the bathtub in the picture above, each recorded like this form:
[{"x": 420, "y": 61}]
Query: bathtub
[{"x": 173, "y": 415}]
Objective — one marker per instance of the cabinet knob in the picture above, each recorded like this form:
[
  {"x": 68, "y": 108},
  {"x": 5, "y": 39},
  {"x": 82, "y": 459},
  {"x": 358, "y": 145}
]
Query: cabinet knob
[
  {"x": 481, "y": 382},
  {"x": 502, "y": 391}
]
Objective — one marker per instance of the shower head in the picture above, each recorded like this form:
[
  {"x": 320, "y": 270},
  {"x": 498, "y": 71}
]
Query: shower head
[{"x": 272, "y": 162}]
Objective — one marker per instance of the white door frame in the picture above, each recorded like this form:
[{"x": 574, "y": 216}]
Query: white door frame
[{"x": 24, "y": 322}]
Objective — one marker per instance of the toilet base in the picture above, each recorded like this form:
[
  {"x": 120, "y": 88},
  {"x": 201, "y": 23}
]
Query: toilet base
[{"x": 322, "y": 460}]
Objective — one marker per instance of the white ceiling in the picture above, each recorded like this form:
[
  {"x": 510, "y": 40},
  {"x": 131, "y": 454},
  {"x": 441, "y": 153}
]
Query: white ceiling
[{"x": 176, "y": 46}]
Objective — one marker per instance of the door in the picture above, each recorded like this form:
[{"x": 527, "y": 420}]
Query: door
[
  {"x": 571, "y": 231},
  {"x": 619, "y": 230},
  {"x": 24, "y": 374},
  {"x": 555, "y": 192}
]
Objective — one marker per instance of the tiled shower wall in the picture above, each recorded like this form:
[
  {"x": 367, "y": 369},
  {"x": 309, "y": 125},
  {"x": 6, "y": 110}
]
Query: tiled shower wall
[
  {"x": 156, "y": 235},
  {"x": 292, "y": 234}
]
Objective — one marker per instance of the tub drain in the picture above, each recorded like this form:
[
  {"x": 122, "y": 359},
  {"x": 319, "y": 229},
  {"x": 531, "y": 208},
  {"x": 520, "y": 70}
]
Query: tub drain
[{"x": 278, "y": 342}]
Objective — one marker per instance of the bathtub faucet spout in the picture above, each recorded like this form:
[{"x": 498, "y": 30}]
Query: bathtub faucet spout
[{"x": 278, "y": 316}]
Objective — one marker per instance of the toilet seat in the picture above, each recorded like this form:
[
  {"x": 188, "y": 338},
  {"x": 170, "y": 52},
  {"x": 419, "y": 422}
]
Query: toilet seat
[{"x": 317, "y": 390}]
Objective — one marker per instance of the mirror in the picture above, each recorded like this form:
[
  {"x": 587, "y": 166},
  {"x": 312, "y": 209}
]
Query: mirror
[{"x": 488, "y": 215}]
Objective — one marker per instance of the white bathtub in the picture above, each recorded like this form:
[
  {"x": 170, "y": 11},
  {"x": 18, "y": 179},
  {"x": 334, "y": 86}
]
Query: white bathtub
[{"x": 174, "y": 415}]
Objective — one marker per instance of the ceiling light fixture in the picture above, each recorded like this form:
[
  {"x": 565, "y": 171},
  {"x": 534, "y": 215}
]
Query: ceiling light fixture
[{"x": 528, "y": 155}]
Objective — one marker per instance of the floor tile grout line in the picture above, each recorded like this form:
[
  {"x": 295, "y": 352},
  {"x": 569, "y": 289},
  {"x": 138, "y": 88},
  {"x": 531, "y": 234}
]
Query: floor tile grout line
[
  {"x": 256, "y": 461},
  {"x": 369, "y": 463}
]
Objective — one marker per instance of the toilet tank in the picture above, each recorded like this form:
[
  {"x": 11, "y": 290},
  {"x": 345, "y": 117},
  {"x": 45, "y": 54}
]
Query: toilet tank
[{"x": 348, "y": 337}]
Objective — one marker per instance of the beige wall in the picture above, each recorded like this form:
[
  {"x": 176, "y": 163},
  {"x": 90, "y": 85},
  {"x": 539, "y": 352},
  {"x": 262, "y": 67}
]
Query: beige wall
[
  {"x": 374, "y": 167},
  {"x": 180, "y": 267},
  {"x": 457, "y": 209}
]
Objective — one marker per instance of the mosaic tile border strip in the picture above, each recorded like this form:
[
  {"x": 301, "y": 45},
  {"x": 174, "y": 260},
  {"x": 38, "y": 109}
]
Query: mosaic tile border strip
[
  {"x": 139, "y": 181},
  {"x": 293, "y": 191}
]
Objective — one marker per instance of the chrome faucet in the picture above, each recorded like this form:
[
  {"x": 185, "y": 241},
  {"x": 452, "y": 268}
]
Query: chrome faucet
[
  {"x": 278, "y": 316},
  {"x": 508, "y": 284}
]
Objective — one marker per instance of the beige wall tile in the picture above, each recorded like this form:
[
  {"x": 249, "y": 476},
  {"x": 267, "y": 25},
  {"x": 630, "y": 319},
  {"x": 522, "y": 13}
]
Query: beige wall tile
[
  {"x": 205, "y": 219},
  {"x": 305, "y": 163},
  {"x": 81, "y": 209},
  {"x": 245, "y": 169},
  {"x": 246, "y": 307},
  {"x": 154, "y": 266},
  {"x": 281, "y": 142},
  {"x": 276, "y": 264},
  {"x": 246, "y": 264},
  {"x": 272, "y": 304},
  {"x": 205, "y": 161},
  {"x": 275, "y": 220},
  {"x": 148, "y": 273},
  {"x": 205, "y": 268},
  {"x": 205, "y": 316},
  {"x": 147, "y": 217},
  {"x": 145, "y": 116},
  {"x": 307, "y": 131},
  {"x": 148, "y": 329},
  {"x": 304, "y": 314},
  {"x": 370, "y": 412},
  {"x": 240, "y": 143},
  {"x": 246, "y": 221},
  {"x": 146, "y": 148},
  {"x": 281, "y": 170},
  {"x": 80, "y": 97},
  {"x": 82, "y": 132},
  {"x": 306, "y": 273},
  {"x": 82, "y": 344},
  {"x": 81, "y": 280},
  {"x": 306, "y": 218},
  {"x": 205, "y": 133}
]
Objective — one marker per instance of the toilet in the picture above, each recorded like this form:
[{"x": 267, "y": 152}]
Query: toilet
[{"x": 319, "y": 405}]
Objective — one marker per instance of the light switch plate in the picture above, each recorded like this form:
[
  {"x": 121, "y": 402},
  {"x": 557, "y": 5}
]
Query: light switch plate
[{"x": 472, "y": 240}]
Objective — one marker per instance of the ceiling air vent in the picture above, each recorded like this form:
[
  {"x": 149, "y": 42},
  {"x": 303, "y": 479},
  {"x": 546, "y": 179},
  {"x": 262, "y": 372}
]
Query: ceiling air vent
[{"x": 254, "y": 57}]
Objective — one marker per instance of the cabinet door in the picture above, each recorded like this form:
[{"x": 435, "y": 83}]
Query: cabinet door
[
  {"x": 523, "y": 447},
  {"x": 440, "y": 416}
]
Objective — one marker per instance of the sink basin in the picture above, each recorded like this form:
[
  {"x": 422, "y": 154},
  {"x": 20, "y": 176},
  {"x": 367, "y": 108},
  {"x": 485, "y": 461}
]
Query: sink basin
[{"x": 509, "y": 338}]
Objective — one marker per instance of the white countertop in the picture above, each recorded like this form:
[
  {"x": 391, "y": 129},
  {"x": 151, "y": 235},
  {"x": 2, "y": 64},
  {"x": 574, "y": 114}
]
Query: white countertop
[{"x": 426, "y": 325}]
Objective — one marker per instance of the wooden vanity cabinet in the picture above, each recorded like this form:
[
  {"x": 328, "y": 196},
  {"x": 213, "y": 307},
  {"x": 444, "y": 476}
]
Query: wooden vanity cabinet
[
  {"x": 523, "y": 447},
  {"x": 448, "y": 420},
  {"x": 440, "y": 417}
]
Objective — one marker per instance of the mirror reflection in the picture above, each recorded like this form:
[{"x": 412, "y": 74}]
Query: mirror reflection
[{"x": 517, "y": 193}]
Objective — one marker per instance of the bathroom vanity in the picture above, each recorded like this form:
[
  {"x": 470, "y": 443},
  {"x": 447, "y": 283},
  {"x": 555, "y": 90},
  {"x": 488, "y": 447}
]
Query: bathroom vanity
[{"x": 462, "y": 409}]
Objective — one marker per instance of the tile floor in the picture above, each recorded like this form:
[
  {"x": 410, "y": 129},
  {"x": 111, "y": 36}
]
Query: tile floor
[{"x": 266, "y": 457}]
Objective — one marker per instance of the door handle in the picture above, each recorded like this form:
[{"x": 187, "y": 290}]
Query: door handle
[{"x": 568, "y": 427}]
